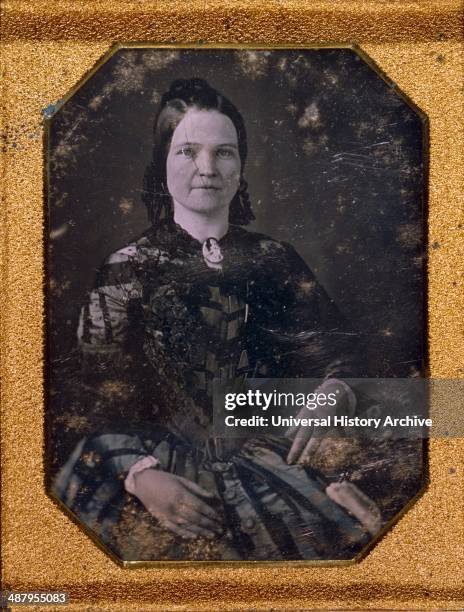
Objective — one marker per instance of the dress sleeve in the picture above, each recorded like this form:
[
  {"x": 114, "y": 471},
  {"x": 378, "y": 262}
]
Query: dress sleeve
[
  {"x": 308, "y": 334},
  {"x": 108, "y": 319},
  {"x": 110, "y": 378}
]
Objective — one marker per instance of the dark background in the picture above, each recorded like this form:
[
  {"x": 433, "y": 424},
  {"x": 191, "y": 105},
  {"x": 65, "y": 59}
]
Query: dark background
[{"x": 335, "y": 168}]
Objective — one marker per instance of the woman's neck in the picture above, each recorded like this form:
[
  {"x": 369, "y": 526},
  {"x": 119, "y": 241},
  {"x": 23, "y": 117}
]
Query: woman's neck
[{"x": 201, "y": 226}]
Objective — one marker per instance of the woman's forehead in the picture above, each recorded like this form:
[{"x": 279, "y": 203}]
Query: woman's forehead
[{"x": 201, "y": 126}]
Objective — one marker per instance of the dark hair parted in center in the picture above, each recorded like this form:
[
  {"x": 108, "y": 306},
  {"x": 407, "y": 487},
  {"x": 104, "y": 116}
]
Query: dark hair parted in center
[{"x": 183, "y": 95}]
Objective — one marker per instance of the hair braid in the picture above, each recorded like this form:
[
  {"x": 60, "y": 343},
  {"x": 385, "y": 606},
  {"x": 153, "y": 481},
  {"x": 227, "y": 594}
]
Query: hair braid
[{"x": 241, "y": 212}]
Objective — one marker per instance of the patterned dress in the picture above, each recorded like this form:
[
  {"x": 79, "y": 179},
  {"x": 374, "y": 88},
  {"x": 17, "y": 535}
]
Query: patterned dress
[{"x": 159, "y": 329}]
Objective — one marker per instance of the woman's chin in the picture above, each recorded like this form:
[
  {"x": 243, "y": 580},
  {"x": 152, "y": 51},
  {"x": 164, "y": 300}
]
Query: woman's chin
[{"x": 206, "y": 205}]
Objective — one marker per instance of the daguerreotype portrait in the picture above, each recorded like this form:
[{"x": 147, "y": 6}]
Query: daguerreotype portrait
[{"x": 217, "y": 215}]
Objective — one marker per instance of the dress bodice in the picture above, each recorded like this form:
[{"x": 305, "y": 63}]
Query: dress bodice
[{"x": 179, "y": 325}]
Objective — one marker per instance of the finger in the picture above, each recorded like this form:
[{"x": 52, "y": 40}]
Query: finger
[
  {"x": 202, "y": 508},
  {"x": 348, "y": 495},
  {"x": 195, "y": 528},
  {"x": 292, "y": 431},
  {"x": 179, "y": 530},
  {"x": 299, "y": 443},
  {"x": 196, "y": 518},
  {"x": 191, "y": 499},
  {"x": 310, "y": 449},
  {"x": 194, "y": 488}
]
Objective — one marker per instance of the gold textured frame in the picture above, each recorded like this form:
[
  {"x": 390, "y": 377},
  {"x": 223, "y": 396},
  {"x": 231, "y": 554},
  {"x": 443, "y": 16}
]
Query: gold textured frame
[{"x": 46, "y": 49}]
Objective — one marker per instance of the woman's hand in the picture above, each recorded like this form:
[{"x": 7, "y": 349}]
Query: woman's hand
[
  {"x": 305, "y": 440},
  {"x": 180, "y": 505}
]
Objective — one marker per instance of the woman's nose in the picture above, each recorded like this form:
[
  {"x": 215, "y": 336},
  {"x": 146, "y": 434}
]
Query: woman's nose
[{"x": 206, "y": 164}]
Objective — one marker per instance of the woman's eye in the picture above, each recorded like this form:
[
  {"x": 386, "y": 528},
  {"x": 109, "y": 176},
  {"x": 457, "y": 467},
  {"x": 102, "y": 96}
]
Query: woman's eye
[
  {"x": 225, "y": 153},
  {"x": 186, "y": 151}
]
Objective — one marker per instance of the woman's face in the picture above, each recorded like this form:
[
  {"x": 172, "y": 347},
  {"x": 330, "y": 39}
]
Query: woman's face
[{"x": 203, "y": 164}]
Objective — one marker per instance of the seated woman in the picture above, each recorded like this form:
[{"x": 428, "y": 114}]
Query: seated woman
[{"x": 197, "y": 300}]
